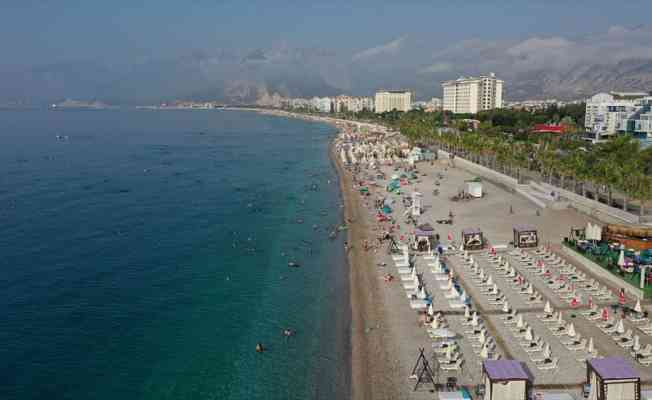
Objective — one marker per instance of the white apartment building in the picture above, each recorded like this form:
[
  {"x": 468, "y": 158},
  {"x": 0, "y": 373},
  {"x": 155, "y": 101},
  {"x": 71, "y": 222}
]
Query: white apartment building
[
  {"x": 352, "y": 104},
  {"x": 389, "y": 100},
  {"x": 471, "y": 95},
  {"x": 604, "y": 110}
]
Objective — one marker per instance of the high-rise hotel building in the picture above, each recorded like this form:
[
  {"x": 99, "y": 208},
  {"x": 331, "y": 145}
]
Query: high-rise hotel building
[
  {"x": 471, "y": 95},
  {"x": 389, "y": 100}
]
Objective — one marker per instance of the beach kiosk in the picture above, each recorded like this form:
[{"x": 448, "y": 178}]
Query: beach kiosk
[
  {"x": 612, "y": 378},
  {"x": 506, "y": 380},
  {"x": 424, "y": 237},
  {"x": 525, "y": 236},
  {"x": 472, "y": 239}
]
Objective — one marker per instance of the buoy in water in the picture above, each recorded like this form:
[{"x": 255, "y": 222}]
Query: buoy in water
[{"x": 259, "y": 348}]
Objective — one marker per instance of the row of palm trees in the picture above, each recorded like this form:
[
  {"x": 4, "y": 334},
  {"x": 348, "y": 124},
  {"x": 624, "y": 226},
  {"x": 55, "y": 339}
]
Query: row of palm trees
[{"x": 618, "y": 166}]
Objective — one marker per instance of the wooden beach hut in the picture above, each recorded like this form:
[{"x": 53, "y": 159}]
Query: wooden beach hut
[
  {"x": 506, "y": 380},
  {"x": 612, "y": 378},
  {"x": 472, "y": 239},
  {"x": 525, "y": 236}
]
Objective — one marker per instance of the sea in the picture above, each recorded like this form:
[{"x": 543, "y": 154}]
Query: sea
[{"x": 144, "y": 254}]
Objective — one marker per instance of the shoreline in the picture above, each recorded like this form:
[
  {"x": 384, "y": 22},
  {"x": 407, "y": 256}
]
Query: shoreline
[{"x": 372, "y": 361}]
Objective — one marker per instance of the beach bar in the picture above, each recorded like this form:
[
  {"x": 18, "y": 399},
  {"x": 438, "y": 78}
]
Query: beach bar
[
  {"x": 472, "y": 239},
  {"x": 506, "y": 380},
  {"x": 612, "y": 378},
  {"x": 525, "y": 236}
]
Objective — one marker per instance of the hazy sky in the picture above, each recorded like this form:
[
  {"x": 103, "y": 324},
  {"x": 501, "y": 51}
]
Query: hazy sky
[
  {"x": 54, "y": 49},
  {"x": 43, "y": 31}
]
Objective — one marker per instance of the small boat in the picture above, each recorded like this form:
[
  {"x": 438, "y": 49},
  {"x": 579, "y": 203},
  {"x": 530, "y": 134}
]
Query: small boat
[{"x": 293, "y": 264}]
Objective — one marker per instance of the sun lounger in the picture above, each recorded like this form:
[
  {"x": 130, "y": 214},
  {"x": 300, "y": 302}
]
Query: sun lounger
[
  {"x": 645, "y": 361},
  {"x": 549, "y": 366},
  {"x": 577, "y": 346},
  {"x": 456, "y": 366},
  {"x": 637, "y": 318}
]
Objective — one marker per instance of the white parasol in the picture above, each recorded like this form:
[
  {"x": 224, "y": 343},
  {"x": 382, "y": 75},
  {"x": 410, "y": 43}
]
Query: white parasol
[
  {"x": 519, "y": 322},
  {"x": 422, "y": 293},
  {"x": 495, "y": 288},
  {"x": 546, "y": 351},
  {"x": 637, "y": 343},
  {"x": 467, "y": 312},
  {"x": 484, "y": 353},
  {"x": 490, "y": 281},
  {"x": 434, "y": 324},
  {"x": 528, "y": 334},
  {"x": 483, "y": 336},
  {"x": 474, "y": 321},
  {"x": 571, "y": 330},
  {"x": 431, "y": 311},
  {"x": 591, "y": 347},
  {"x": 530, "y": 289},
  {"x": 548, "y": 308},
  {"x": 560, "y": 318},
  {"x": 637, "y": 307},
  {"x": 506, "y": 307},
  {"x": 621, "y": 258},
  {"x": 620, "y": 328}
]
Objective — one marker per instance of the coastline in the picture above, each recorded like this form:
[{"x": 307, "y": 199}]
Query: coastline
[{"x": 372, "y": 362}]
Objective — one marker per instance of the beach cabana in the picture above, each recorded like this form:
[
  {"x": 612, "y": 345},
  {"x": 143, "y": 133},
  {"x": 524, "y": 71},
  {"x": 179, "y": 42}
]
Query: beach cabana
[
  {"x": 506, "y": 380},
  {"x": 612, "y": 378},
  {"x": 525, "y": 236},
  {"x": 472, "y": 239},
  {"x": 424, "y": 237}
]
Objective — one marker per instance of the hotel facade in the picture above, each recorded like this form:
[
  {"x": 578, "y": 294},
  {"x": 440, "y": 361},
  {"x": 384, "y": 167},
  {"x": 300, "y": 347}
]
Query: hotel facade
[
  {"x": 472, "y": 95},
  {"x": 389, "y": 100}
]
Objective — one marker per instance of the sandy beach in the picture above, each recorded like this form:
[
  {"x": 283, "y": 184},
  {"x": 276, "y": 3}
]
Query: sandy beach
[{"x": 387, "y": 333}]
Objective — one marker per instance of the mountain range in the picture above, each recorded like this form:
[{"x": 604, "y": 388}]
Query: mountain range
[{"x": 537, "y": 67}]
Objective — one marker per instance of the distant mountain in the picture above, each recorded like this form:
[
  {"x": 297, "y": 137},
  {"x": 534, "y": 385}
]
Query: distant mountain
[{"x": 583, "y": 81}]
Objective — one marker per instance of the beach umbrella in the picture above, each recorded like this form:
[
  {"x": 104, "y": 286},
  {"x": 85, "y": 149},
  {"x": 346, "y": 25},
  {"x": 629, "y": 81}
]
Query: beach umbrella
[
  {"x": 416, "y": 281},
  {"x": 637, "y": 307},
  {"x": 466, "y": 253},
  {"x": 490, "y": 281},
  {"x": 422, "y": 293},
  {"x": 591, "y": 347},
  {"x": 482, "y": 275},
  {"x": 431, "y": 311},
  {"x": 471, "y": 260},
  {"x": 621, "y": 258},
  {"x": 500, "y": 260},
  {"x": 548, "y": 308},
  {"x": 519, "y": 322},
  {"x": 620, "y": 328},
  {"x": 571, "y": 330},
  {"x": 434, "y": 324},
  {"x": 474, "y": 321},
  {"x": 530, "y": 289},
  {"x": 462, "y": 248},
  {"x": 546, "y": 351},
  {"x": 484, "y": 353},
  {"x": 482, "y": 337},
  {"x": 528, "y": 334},
  {"x": 506, "y": 307},
  {"x": 495, "y": 288},
  {"x": 605, "y": 314},
  {"x": 467, "y": 312},
  {"x": 637, "y": 343},
  {"x": 560, "y": 318},
  {"x": 463, "y": 297}
]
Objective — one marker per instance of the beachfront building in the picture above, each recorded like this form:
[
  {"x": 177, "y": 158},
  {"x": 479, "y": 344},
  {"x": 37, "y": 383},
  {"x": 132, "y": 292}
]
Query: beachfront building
[
  {"x": 639, "y": 122},
  {"x": 352, "y": 104},
  {"x": 506, "y": 380},
  {"x": 604, "y": 110},
  {"x": 390, "y": 100},
  {"x": 471, "y": 95},
  {"x": 612, "y": 378}
]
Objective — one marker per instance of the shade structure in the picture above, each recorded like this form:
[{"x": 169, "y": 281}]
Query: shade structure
[
  {"x": 620, "y": 328},
  {"x": 431, "y": 311},
  {"x": 637, "y": 307},
  {"x": 504, "y": 370},
  {"x": 571, "y": 330},
  {"x": 529, "y": 335},
  {"x": 484, "y": 353},
  {"x": 519, "y": 323},
  {"x": 547, "y": 308},
  {"x": 506, "y": 307},
  {"x": 467, "y": 312},
  {"x": 482, "y": 337},
  {"x": 613, "y": 368},
  {"x": 560, "y": 318},
  {"x": 475, "y": 321}
]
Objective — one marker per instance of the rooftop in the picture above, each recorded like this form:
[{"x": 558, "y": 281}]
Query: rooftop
[
  {"x": 613, "y": 368},
  {"x": 504, "y": 370}
]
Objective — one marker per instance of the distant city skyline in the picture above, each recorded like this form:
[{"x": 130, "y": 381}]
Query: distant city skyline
[{"x": 140, "y": 53}]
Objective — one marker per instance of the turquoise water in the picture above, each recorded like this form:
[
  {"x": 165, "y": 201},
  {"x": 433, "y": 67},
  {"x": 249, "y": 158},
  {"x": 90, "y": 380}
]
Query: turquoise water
[{"x": 144, "y": 254}]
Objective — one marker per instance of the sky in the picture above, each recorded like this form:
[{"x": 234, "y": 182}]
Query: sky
[{"x": 124, "y": 33}]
